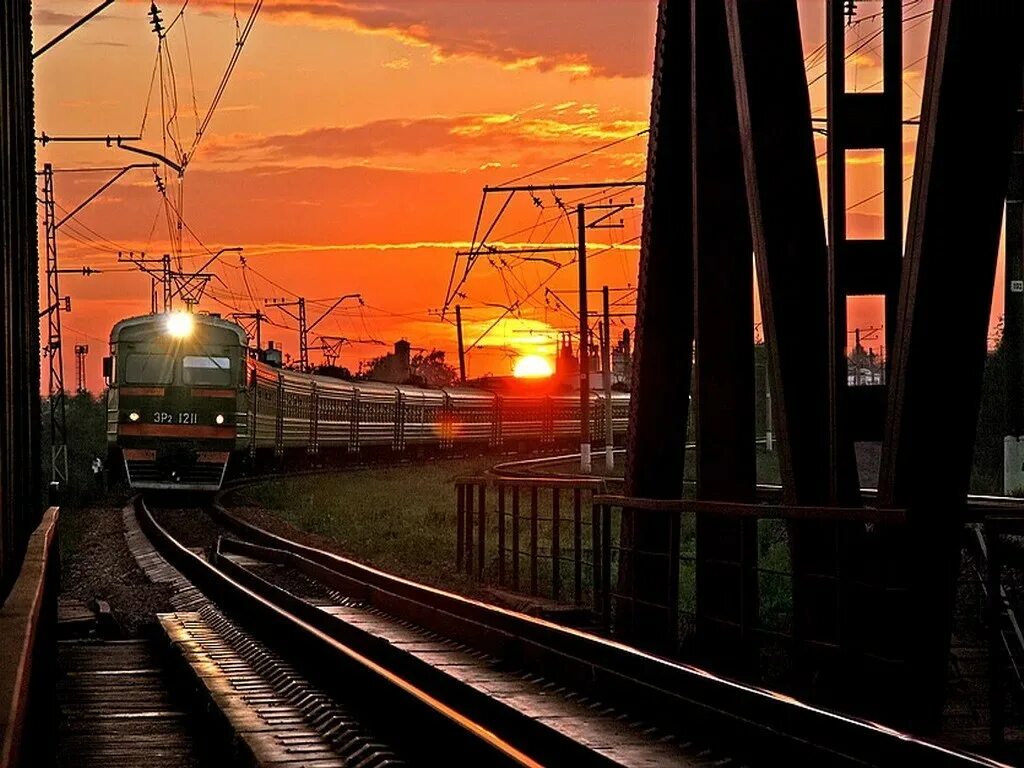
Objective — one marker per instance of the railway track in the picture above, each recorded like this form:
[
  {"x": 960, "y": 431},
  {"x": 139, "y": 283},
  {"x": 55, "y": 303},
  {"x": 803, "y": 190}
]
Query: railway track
[{"x": 446, "y": 679}]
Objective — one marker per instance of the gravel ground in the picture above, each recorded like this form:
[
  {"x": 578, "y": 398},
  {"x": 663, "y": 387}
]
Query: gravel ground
[{"x": 96, "y": 564}]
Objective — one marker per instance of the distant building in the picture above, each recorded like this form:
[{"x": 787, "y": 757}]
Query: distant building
[
  {"x": 622, "y": 360},
  {"x": 271, "y": 355},
  {"x": 863, "y": 366},
  {"x": 567, "y": 364},
  {"x": 393, "y": 368}
]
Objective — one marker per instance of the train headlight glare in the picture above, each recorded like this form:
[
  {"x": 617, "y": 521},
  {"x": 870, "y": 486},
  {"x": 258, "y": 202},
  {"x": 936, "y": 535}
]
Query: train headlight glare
[
  {"x": 220, "y": 418},
  {"x": 180, "y": 324},
  {"x": 133, "y": 416}
]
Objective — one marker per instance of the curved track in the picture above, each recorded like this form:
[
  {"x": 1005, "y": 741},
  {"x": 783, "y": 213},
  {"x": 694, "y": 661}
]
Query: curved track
[
  {"x": 733, "y": 723},
  {"x": 411, "y": 717}
]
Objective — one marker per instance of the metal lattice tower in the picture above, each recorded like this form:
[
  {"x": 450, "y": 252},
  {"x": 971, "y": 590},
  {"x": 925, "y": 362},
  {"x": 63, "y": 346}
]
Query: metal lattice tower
[
  {"x": 81, "y": 352},
  {"x": 53, "y": 350},
  {"x": 300, "y": 317}
]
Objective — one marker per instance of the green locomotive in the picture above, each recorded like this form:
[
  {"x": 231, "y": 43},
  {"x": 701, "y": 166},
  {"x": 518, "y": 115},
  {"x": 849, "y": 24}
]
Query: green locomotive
[{"x": 187, "y": 398}]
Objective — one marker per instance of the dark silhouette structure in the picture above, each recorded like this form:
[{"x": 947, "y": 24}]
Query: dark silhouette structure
[
  {"x": 20, "y": 503},
  {"x": 732, "y": 169}
]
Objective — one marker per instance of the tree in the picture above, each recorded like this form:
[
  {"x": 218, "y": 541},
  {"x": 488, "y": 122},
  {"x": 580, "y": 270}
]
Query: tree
[
  {"x": 431, "y": 370},
  {"x": 426, "y": 369},
  {"x": 334, "y": 371}
]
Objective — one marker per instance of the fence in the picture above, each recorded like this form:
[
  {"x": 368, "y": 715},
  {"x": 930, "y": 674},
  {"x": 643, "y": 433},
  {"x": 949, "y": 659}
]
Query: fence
[
  {"x": 540, "y": 536},
  {"x": 995, "y": 561},
  {"x": 562, "y": 539}
]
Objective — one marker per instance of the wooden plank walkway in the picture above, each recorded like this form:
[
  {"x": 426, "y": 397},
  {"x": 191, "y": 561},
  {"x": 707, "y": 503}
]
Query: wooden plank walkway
[
  {"x": 273, "y": 728},
  {"x": 115, "y": 709}
]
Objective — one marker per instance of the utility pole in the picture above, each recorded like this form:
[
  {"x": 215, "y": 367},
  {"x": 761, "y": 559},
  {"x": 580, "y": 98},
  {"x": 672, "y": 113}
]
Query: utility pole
[
  {"x": 299, "y": 304},
  {"x": 55, "y": 304},
  {"x": 168, "y": 296},
  {"x": 54, "y": 301},
  {"x": 582, "y": 226},
  {"x": 81, "y": 351},
  {"x": 581, "y": 258},
  {"x": 606, "y": 365},
  {"x": 164, "y": 276},
  {"x": 1013, "y": 318},
  {"x": 481, "y": 247},
  {"x": 462, "y": 349},
  {"x": 856, "y": 359},
  {"x": 300, "y": 317},
  {"x": 257, "y": 317}
]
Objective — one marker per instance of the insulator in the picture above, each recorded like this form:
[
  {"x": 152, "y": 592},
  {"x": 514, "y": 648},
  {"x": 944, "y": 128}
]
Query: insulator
[{"x": 156, "y": 21}]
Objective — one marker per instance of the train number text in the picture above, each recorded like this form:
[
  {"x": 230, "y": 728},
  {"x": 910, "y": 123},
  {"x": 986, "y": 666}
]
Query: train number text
[{"x": 162, "y": 417}]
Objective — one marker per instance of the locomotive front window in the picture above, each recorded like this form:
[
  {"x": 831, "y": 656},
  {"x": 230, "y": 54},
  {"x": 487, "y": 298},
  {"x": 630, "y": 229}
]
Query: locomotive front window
[
  {"x": 196, "y": 369},
  {"x": 148, "y": 369}
]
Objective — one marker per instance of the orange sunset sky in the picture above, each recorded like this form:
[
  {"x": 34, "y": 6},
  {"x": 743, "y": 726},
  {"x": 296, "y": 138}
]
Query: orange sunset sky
[{"x": 350, "y": 147}]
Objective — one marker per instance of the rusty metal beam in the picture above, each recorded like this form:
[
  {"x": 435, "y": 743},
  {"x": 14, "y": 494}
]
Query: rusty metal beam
[
  {"x": 724, "y": 376},
  {"x": 841, "y": 574},
  {"x": 664, "y": 337},
  {"x": 972, "y": 89},
  {"x": 788, "y": 232},
  {"x": 860, "y": 266}
]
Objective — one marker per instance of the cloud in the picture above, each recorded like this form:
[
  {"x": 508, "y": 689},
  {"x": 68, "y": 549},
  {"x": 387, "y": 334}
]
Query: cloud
[
  {"x": 480, "y": 137},
  {"x": 44, "y": 17},
  {"x": 606, "y": 38}
]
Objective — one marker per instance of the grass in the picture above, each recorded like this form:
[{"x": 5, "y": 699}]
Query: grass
[{"x": 401, "y": 519}]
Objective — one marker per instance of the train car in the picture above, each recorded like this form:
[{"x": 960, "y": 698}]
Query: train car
[
  {"x": 177, "y": 404},
  {"x": 186, "y": 400}
]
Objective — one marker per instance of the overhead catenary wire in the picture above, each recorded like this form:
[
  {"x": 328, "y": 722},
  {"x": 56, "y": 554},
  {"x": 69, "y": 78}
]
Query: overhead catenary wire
[{"x": 240, "y": 41}]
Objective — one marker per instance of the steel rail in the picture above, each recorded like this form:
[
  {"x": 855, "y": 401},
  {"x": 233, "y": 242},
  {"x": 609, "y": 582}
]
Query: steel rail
[
  {"x": 757, "y": 724},
  {"x": 411, "y": 717},
  {"x": 507, "y": 723}
]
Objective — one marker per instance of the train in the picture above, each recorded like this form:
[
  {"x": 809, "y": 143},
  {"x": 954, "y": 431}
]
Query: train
[{"x": 190, "y": 403}]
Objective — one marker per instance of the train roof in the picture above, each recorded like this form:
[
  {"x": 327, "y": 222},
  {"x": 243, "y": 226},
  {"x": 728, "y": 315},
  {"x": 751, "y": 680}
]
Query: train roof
[
  {"x": 200, "y": 318},
  {"x": 295, "y": 378}
]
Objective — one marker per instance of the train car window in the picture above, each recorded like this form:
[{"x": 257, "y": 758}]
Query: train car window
[
  {"x": 148, "y": 369},
  {"x": 196, "y": 369}
]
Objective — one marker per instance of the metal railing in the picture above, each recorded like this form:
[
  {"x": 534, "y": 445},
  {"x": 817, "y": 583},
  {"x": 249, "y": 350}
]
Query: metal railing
[
  {"x": 563, "y": 539},
  {"x": 539, "y": 536},
  {"x": 1005, "y": 637},
  {"x": 28, "y": 626},
  {"x": 751, "y": 619}
]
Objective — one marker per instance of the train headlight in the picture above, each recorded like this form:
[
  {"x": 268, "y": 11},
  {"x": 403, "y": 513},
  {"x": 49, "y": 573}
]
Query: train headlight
[
  {"x": 133, "y": 416},
  {"x": 220, "y": 418},
  {"x": 180, "y": 324}
]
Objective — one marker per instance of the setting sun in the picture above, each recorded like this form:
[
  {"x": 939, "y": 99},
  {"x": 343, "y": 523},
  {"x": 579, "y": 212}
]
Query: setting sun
[{"x": 532, "y": 367}]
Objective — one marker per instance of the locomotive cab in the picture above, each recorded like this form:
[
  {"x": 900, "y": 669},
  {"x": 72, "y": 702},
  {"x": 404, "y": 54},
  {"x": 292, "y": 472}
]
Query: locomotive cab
[{"x": 176, "y": 402}]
